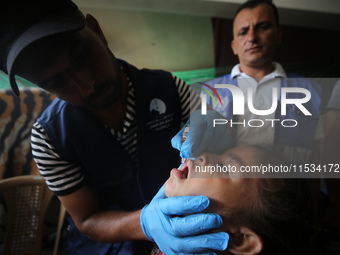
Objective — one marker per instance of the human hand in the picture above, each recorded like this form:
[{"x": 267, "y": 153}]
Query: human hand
[
  {"x": 162, "y": 224},
  {"x": 202, "y": 136}
]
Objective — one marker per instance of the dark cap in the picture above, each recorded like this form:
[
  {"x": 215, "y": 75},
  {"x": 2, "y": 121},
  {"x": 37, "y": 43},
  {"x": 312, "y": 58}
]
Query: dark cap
[{"x": 23, "y": 22}]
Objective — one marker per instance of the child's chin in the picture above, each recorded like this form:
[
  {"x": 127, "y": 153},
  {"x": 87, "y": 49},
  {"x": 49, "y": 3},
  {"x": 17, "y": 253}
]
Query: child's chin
[
  {"x": 167, "y": 187},
  {"x": 170, "y": 187}
]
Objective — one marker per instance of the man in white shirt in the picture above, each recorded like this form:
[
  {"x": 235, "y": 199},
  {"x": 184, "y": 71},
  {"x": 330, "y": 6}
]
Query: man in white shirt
[{"x": 256, "y": 33}]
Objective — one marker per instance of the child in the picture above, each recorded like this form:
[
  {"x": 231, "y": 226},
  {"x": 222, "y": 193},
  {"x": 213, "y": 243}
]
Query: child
[{"x": 261, "y": 215}]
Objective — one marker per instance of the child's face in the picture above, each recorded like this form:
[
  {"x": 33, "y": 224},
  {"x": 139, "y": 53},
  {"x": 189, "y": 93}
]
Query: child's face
[{"x": 225, "y": 190}]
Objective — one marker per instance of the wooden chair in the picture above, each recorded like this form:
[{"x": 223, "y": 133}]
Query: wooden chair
[
  {"x": 62, "y": 214},
  {"x": 27, "y": 198}
]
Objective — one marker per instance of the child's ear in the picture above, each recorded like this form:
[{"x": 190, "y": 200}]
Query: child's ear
[{"x": 245, "y": 241}]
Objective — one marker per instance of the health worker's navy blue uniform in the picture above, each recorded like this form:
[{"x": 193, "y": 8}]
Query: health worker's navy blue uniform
[{"x": 79, "y": 137}]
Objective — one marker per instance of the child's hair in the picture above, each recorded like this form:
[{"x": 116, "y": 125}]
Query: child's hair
[
  {"x": 282, "y": 216},
  {"x": 282, "y": 213}
]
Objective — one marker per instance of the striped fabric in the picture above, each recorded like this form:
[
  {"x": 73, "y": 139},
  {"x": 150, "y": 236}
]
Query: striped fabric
[
  {"x": 128, "y": 138},
  {"x": 66, "y": 176},
  {"x": 17, "y": 115}
]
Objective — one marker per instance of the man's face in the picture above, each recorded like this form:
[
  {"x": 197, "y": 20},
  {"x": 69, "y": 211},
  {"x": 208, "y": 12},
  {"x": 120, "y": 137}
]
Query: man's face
[
  {"x": 226, "y": 191},
  {"x": 255, "y": 36},
  {"x": 77, "y": 68}
]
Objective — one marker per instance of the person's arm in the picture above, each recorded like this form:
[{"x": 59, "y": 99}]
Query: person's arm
[
  {"x": 79, "y": 200},
  {"x": 331, "y": 142},
  {"x": 330, "y": 152},
  {"x": 98, "y": 224},
  {"x": 160, "y": 221},
  {"x": 157, "y": 221},
  {"x": 330, "y": 148}
]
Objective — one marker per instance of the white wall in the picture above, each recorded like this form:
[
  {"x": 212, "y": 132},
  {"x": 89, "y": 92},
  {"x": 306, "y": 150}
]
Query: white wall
[
  {"x": 307, "y": 13},
  {"x": 176, "y": 35},
  {"x": 173, "y": 42}
]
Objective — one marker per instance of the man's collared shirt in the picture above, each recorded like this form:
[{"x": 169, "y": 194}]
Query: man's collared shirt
[{"x": 262, "y": 99}]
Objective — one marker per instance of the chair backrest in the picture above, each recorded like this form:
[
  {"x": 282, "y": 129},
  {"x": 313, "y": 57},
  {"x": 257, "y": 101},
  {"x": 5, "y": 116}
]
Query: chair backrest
[{"x": 27, "y": 198}]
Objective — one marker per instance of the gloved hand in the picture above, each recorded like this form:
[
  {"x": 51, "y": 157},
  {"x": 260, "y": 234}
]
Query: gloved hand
[
  {"x": 179, "y": 235},
  {"x": 202, "y": 136}
]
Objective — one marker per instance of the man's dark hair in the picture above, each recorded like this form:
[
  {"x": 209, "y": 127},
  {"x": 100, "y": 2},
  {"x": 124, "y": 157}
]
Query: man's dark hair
[{"x": 251, "y": 4}]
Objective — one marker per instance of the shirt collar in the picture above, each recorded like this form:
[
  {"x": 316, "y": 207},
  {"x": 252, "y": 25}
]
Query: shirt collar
[{"x": 278, "y": 72}]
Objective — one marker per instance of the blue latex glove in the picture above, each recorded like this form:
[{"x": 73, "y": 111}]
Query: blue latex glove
[
  {"x": 202, "y": 136},
  {"x": 180, "y": 235}
]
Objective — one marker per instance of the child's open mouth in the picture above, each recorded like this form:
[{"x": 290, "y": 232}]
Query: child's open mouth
[{"x": 185, "y": 169}]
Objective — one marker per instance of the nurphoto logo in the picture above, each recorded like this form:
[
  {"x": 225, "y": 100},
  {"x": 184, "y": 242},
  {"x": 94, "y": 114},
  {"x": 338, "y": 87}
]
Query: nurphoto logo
[{"x": 238, "y": 104}]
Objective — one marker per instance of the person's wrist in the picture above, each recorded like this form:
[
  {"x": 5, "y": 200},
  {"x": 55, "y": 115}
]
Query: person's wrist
[{"x": 143, "y": 228}]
